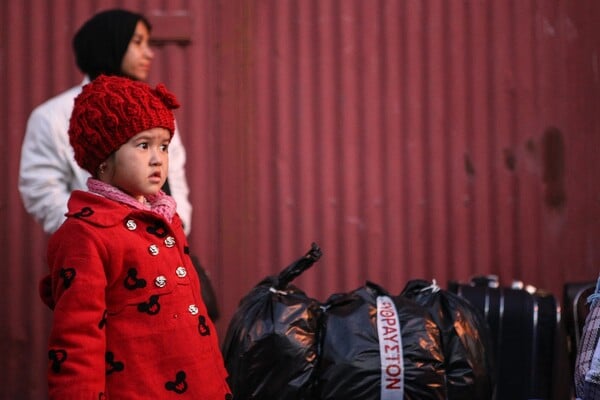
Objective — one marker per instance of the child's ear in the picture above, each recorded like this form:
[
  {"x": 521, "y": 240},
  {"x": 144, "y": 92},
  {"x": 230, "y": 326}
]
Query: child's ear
[{"x": 101, "y": 169}]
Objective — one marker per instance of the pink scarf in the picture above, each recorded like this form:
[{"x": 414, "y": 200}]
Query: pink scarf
[{"x": 160, "y": 203}]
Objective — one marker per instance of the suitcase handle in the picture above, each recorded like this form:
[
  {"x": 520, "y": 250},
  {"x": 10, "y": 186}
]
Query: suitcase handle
[{"x": 491, "y": 281}]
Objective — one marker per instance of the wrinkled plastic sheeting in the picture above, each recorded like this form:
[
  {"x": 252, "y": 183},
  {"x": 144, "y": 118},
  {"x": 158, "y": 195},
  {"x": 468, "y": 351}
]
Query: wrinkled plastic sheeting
[
  {"x": 349, "y": 364},
  {"x": 465, "y": 337},
  {"x": 270, "y": 348}
]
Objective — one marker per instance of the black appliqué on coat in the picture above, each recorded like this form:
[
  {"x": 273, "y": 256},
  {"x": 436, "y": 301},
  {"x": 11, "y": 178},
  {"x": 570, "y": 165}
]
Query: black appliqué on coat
[
  {"x": 102, "y": 322},
  {"x": 186, "y": 250},
  {"x": 178, "y": 386},
  {"x": 57, "y": 357},
  {"x": 132, "y": 282},
  {"x": 111, "y": 364},
  {"x": 203, "y": 328},
  {"x": 84, "y": 213},
  {"x": 159, "y": 229},
  {"x": 67, "y": 275},
  {"x": 151, "y": 307},
  {"x": 101, "y": 396}
]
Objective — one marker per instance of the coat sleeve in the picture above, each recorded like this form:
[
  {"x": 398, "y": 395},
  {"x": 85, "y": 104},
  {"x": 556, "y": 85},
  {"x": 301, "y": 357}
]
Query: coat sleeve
[
  {"x": 178, "y": 182},
  {"x": 45, "y": 175},
  {"x": 77, "y": 344}
]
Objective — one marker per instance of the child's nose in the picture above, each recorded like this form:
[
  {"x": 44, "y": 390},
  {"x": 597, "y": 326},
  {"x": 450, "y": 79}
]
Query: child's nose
[{"x": 156, "y": 157}]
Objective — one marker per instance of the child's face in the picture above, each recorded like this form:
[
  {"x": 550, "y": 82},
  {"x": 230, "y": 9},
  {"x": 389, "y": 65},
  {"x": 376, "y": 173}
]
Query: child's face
[
  {"x": 138, "y": 57},
  {"x": 140, "y": 166}
]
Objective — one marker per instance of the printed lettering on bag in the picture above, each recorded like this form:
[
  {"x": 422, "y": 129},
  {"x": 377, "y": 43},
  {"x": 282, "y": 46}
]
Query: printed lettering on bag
[{"x": 390, "y": 349}]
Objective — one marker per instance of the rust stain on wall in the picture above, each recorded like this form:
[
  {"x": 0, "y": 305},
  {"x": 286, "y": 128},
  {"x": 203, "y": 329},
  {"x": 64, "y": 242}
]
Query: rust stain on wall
[
  {"x": 510, "y": 160},
  {"x": 553, "y": 162}
]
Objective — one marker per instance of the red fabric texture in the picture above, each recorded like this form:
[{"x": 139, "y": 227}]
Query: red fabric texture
[
  {"x": 116, "y": 334},
  {"x": 110, "y": 110}
]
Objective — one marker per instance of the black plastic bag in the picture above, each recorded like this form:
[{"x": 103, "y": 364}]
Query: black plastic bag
[
  {"x": 466, "y": 340},
  {"x": 270, "y": 348},
  {"x": 350, "y": 361}
]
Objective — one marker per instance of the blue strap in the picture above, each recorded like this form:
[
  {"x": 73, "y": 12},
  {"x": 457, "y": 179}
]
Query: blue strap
[{"x": 594, "y": 297}]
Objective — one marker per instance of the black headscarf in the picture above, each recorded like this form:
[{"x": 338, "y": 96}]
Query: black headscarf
[{"x": 102, "y": 41}]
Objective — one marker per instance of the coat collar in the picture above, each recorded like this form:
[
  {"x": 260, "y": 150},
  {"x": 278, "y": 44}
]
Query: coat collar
[
  {"x": 100, "y": 211},
  {"x": 96, "y": 209}
]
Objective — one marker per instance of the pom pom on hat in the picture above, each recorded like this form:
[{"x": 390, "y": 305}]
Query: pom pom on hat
[{"x": 110, "y": 110}]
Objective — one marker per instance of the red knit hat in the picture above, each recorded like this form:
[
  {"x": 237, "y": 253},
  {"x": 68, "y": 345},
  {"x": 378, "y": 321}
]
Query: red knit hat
[{"x": 110, "y": 110}]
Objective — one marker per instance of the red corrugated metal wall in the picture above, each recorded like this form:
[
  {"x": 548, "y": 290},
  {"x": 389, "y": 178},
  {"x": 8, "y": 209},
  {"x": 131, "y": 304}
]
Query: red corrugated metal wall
[{"x": 410, "y": 139}]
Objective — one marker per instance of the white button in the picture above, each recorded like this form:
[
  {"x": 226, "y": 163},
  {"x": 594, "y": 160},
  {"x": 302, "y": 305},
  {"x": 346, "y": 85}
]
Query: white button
[
  {"x": 170, "y": 241},
  {"x": 153, "y": 249},
  {"x": 181, "y": 272},
  {"x": 193, "y": 309},
  {"x": 160, "y": 281},
  {"x": 131, "y": 225}
]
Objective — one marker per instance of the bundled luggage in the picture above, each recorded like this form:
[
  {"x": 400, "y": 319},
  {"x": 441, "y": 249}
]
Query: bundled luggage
[
  {"x": 425, "y": 343},
  {"x": 362, "y": 345},
  {"x": 270, "y": 348},
  {"x": 465, "y": 339},
  {"x": 375, "y": 347}
]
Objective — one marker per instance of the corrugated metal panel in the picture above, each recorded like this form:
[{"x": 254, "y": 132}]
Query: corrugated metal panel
[
  {"x": 407, "y": 137},
  {"x": 410, "y": 139}
]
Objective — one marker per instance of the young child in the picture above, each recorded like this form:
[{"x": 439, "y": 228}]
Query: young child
[{"x": 129, "y": 321}]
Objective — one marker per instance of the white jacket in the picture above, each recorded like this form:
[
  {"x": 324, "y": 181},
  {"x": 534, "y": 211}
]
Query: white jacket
[{"x": 48, "y": 171}]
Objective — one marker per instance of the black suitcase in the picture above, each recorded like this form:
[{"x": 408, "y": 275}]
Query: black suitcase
[{"x": 529, "y": 341}]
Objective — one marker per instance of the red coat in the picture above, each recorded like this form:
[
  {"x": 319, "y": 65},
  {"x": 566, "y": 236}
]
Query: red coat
[{"x": 129, "y": 320}]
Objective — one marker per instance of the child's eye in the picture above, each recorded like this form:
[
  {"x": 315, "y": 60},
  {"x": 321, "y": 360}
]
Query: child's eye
[
  {"x": 143, "y": 145},
  {"x": 164, "y": 147}
]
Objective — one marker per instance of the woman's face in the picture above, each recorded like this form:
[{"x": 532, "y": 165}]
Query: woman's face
[
  {"x": 137, "y": 60},
  {"x": 139, "y": 167}
]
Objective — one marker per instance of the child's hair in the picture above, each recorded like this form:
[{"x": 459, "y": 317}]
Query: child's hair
[{"x": 111, "y": 110}]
